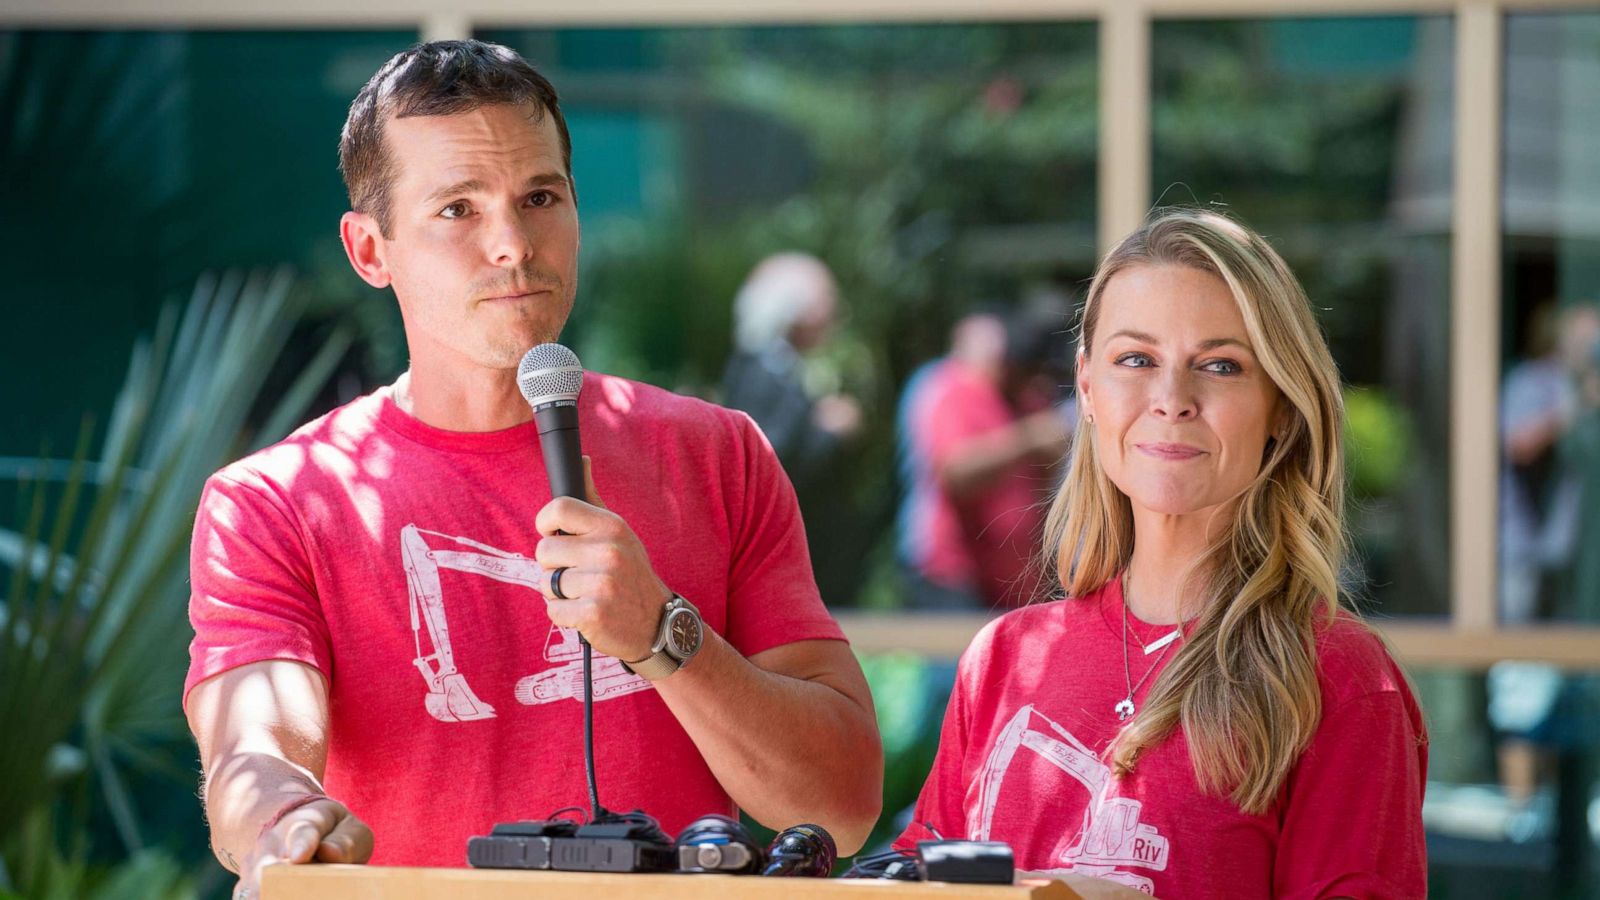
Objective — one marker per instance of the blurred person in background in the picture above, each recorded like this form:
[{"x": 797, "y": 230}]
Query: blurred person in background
[
  {"x": 981, "y": 432},
  {"x": 1581, "y": 450},
  {"x": 1200, "y": 717},
  {"x": 1542, "y": 492},
  {"x": 1547, "y": 418},
  {"x": 786, "y": 310}
]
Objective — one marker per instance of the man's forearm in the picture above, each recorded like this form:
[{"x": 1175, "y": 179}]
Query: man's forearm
[
  {"x": 983, "y": 460},
  {"x": 786, "y": 750},
  {"x": 244, "y": 792}
]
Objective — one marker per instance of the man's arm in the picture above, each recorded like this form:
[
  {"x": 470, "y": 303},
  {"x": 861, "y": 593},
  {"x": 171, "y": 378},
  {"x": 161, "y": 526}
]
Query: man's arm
[
  {"x": 262, "y": 729},
  {"x": 980, "y": 461},
  {"x": 789, "y": 733}
]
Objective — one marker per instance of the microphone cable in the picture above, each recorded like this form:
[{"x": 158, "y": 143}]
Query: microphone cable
[
  {"x": 596, "y": 811},
  {"x": 892, "y": 865}
]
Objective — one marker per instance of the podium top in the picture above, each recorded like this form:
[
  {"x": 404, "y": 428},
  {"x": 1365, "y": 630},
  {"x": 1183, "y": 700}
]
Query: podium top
[{"x": 340, "y": 882}]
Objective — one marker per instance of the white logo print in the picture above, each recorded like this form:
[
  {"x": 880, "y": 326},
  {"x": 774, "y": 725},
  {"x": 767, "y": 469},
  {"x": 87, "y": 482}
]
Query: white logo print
[
  {"x": 449, "y": 699},
  {"x": 1111, "y": 834}
]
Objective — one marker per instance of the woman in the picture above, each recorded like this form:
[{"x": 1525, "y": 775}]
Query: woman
[{"x": 1199, "y": 718}]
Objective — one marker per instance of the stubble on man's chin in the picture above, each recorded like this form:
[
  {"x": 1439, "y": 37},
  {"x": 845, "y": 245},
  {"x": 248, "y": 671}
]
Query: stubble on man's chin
[
  {"x": 506, "y": 348},
  {"x": 508, "y": 353}
]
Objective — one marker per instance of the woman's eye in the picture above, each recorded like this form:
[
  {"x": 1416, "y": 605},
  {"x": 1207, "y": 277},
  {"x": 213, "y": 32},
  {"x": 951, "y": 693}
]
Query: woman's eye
[
  {"x": 1133, "y": 360},
  {"x": 1222, "y": 367},
  {"x": 453, "y": 211}
]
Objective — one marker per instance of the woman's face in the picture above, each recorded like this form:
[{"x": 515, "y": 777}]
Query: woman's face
[{"x": 1181, "y": 408}]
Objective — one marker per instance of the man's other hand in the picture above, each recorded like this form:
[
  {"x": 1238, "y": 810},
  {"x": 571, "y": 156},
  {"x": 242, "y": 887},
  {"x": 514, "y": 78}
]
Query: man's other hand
[{"x": 320, "y": 831}]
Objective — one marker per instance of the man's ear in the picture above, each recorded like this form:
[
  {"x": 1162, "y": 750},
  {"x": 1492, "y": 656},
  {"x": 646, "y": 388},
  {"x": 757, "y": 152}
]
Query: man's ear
[{"x": 365, "y": 247}]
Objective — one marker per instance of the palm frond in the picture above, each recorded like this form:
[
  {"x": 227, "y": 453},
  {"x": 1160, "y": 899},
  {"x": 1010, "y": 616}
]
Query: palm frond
[{"x": 94, "y": 633}]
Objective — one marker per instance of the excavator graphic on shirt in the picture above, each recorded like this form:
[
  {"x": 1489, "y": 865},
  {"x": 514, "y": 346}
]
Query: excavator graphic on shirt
[
  {"x": 1111, "y": 834},
  {"x": 449, "y": 698}
]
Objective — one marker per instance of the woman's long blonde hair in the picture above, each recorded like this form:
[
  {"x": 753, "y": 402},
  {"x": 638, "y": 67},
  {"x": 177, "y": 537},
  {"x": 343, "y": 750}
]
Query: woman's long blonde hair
[{"x": 1243, "y": 687}]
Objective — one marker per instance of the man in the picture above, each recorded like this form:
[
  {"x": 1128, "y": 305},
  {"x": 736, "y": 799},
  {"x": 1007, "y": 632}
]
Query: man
[
  {"x": 785, "y": 317},
  {"x": 412, "y": 531},
  {"x": 979, "y": 438},
  {"x": 785, "y": 310}
]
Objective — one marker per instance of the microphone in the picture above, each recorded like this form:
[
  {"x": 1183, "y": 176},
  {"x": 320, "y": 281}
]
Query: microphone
[
  {"x": 550, "y": 378},
  {"x": 804, "y": 851}
]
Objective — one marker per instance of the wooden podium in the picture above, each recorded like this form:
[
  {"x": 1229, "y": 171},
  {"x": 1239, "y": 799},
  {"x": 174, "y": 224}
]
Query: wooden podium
[{"x": 334, "y": 882}]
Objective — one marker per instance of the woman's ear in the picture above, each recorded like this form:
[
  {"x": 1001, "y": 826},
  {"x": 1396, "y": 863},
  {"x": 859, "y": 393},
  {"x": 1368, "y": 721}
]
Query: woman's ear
[
  {"x": 1085, "y": 402},
  {"x": 1282, "y": 421},
  {"x": 1282, "y": 424}
]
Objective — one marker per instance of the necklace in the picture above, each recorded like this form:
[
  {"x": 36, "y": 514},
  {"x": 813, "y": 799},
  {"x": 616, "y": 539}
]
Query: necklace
[{"x": 1125, "y": 708}]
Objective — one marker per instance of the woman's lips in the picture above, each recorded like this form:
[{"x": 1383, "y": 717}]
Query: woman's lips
[{"x": 1170, "y": 451}]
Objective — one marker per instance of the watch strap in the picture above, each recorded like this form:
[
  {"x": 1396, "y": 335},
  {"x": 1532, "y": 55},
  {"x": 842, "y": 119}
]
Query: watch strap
[{"x": 656, "y": 666}]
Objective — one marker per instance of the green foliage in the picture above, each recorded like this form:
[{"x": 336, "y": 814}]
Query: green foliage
[
  {"x": 1377, "y": 442},
  {"x": 94, "y": 632},
  {"x": 45, "y": 873}
]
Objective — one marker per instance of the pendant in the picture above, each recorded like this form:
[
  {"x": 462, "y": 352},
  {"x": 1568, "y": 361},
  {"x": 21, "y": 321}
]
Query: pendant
[
  {"x": 1162, "y": 642},
  {"x": 1124, "y": 709}
]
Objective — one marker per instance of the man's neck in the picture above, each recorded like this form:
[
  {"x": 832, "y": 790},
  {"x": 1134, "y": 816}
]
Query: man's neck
[{"x": 477, "y": 399}]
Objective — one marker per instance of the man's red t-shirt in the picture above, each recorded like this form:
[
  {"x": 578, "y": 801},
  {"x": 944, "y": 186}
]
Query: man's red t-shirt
[
  {"x": 1022, "y": 760},
  {"x": 381, "y": 551}
]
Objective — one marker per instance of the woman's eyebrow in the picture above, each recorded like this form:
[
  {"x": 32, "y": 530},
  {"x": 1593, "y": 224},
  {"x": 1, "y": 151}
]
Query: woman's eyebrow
[
  {"x": 1211, "y": 344},
  {"x": 1214, "y": 343}
]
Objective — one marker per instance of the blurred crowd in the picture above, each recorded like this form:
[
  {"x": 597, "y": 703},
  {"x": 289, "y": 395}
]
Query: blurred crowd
[{"x": 981, "y": 430}]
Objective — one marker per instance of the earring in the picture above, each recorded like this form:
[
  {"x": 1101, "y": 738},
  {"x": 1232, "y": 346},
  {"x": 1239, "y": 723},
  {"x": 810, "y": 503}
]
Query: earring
[{"x": 1089, "y": 418}]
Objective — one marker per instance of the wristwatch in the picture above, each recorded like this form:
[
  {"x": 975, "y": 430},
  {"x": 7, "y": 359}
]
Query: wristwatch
[{"x": 677, "y": 641}]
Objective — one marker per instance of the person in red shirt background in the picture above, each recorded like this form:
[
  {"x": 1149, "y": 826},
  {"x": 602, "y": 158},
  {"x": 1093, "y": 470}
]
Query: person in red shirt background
[
  {"x": 981, "y": 436},
  {"x": 1199, "y": 717}
]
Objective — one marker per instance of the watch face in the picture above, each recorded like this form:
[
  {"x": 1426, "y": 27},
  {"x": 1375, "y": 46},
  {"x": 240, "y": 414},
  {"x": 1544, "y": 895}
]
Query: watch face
[{"x": 683, "y": 630}]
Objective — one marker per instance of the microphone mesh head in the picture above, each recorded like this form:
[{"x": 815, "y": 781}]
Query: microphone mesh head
[{"x": 549, "y": 372}]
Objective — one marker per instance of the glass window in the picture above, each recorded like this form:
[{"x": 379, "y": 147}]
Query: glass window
[
  {"x": 1333, "y": 138},
  {"x": 933, "y": 168},
  {"x": 1550, "y": 352},
  {"x": 1512, "y": 796},
  {"x": 130, "y": 162}
]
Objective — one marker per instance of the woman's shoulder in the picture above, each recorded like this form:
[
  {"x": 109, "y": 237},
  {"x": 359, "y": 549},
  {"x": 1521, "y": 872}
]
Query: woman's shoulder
[
  {"x": 1037, "y": 627},
  {"x": 1354, "y": 662}
]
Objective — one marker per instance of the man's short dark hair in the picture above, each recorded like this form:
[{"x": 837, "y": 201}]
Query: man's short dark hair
[{"x": 439, "y": 78}]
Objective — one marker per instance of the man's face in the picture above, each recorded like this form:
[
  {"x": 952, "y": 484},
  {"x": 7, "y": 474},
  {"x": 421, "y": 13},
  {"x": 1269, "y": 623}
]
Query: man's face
[
  {"x": 483, "y": 245},
  {"x": 816, "y": 324}
]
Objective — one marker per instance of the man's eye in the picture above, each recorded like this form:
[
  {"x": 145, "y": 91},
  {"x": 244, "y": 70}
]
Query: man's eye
[
  {"x": 453, "y": 211},
  {"x": 541, "y": 199}
]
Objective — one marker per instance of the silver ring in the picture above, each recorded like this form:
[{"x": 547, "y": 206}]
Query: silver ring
[{"x": 555, "y": 583}]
